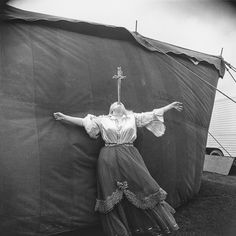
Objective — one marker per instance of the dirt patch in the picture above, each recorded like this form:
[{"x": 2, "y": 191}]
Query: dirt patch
[{"x": 213, "y": 210}]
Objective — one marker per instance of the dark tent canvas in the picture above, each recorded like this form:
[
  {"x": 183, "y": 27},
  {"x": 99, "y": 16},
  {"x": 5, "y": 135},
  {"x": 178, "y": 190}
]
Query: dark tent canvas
[{"x": 49, "y": 64}]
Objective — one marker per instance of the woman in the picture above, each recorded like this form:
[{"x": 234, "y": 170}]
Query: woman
[{"x": 129, "y": 200}]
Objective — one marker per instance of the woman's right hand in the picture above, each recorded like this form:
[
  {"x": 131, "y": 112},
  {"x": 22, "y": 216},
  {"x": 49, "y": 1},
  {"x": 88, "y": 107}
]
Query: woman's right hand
[{"x": 59, "y": 116}]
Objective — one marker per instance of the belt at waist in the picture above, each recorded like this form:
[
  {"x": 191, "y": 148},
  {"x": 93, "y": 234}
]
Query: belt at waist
[{"x": 118, "y": 144}]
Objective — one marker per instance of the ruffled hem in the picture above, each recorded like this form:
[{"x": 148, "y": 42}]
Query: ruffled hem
[{"x": 140, "y": 201}]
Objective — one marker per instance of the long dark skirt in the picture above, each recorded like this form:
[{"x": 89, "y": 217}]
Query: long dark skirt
[{"x": 129, "y": 200}]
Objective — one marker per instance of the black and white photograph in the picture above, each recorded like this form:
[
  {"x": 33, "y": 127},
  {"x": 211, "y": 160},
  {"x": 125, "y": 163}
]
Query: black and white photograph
[{"x": 117, "y": 118}]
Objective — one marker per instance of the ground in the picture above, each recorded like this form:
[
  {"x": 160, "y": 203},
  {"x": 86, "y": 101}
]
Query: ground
[{"x": 212, "y": 212}]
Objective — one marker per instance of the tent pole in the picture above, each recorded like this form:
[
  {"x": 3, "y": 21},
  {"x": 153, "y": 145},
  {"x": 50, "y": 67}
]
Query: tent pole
[
  {"x": 136, "y": 26},
  {"x": 221, "y": 52}
]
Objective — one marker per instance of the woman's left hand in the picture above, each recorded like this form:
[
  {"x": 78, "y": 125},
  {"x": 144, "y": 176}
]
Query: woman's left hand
[{"x": 177, "y": 105}]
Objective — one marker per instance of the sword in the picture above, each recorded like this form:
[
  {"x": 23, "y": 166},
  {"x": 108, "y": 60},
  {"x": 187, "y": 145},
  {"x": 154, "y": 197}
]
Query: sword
[{"x": 119, "y": 77}]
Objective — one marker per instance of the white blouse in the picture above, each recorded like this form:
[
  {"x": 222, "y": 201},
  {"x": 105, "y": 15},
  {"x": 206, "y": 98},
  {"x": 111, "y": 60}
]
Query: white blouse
[{"x": 124, "y": 130}]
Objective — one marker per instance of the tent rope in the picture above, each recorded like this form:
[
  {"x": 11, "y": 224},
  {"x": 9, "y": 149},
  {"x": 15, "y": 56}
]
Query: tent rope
[
  {"x": 219, "y": 143},
  {"x": 210, "y": 85},
  {"x": 230, "y": 66},
  {"x": 230, "y": 74}
]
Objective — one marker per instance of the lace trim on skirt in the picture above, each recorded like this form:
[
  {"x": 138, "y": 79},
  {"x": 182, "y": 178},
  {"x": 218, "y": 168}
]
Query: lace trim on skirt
[{"x": 143, "y": 202}]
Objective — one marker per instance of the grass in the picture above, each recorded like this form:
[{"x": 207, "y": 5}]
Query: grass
[{"x": 212, "y": 212}]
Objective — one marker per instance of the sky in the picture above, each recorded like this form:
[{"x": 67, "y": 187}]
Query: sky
[{"x": 201, "y": 25}]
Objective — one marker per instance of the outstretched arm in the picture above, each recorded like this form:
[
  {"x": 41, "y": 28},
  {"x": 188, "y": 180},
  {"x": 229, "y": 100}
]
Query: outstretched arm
[
  {"x": 70, "y": 119},
  {"x": 174, "y": 105}
]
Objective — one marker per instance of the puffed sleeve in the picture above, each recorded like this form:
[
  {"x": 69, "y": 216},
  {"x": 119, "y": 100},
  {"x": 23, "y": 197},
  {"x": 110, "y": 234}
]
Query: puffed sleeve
[
  {"x": 91, "y": 125},
  {"x": 153, "y": 121}
]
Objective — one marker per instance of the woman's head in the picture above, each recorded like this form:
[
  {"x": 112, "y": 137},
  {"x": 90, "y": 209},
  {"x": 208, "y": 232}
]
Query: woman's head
[{"x": 117, "y": 108}]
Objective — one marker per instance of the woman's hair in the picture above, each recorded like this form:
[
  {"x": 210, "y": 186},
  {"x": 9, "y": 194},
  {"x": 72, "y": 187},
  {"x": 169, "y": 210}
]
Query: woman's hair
[{"x": 115, "y": 105}]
